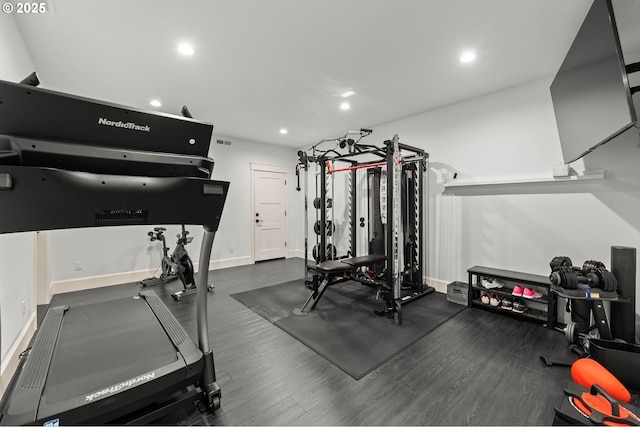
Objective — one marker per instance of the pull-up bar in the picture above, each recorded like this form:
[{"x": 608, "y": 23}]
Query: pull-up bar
[{"x": 350, "y": 168}]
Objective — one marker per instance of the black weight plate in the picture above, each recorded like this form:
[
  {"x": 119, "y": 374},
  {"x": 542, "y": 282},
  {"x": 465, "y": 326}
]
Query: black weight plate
[
  {"x": 610, "y": 284},
  {"x": 560, "y": 261},
  {"x": 591, "y": 265}
]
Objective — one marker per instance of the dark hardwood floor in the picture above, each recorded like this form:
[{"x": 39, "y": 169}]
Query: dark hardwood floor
[{"x": 479, "y": 368}]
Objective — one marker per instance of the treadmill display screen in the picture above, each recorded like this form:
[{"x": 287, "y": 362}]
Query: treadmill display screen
[{"x": 54, "y": 116}]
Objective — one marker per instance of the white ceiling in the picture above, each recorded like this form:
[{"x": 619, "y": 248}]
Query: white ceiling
[{"x": 261, "y": 65}]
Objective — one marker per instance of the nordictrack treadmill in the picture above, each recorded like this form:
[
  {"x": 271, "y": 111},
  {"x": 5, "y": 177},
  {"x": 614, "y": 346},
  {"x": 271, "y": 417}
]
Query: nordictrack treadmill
[{"x": 70, "y": 162}]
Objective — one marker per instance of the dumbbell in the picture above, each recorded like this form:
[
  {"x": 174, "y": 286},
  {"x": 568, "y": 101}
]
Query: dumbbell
[
  {"x": 568, "y": 277},
  {"x": 565, "y": 261},
  {"x": 560, "y": 261},
  {"x": 331, "y": 252}
]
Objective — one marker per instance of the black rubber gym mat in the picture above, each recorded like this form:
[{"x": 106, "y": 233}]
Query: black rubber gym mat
[{"x": 343, "y": 328}]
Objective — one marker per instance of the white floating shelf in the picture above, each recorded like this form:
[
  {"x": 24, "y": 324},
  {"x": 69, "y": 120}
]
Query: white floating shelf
[{"x": 587, "y": 175}]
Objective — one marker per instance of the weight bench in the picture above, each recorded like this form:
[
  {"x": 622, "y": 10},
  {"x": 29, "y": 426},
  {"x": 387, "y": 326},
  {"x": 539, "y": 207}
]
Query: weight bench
[{"x": 335, "y": 271}]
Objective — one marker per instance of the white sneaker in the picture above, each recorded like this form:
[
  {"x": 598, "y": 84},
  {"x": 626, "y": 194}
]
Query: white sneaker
[
  {"x": 494, "y": 300},
  {"x": 491, "y": 283},
  {"x": 485, "y": 298}
]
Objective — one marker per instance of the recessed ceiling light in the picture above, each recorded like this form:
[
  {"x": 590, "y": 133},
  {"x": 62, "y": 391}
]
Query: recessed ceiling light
[
  {"x": 284, "y": 131},
  {"x": 467, "y": 56},
  {"x": 347, "y": 94},
  {"x": 185, "y": 49},
  {"x": 345, "y": 106},
  {"x": 155, "y": 103}
]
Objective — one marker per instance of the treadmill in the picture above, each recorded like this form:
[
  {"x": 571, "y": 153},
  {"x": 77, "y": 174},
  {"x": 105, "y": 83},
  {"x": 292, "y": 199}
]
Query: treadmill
[{"x": 71, "y": 162}]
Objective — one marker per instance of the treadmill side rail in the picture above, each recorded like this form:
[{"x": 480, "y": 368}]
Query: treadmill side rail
[
  {"x": 38, "y": 399},
  {"x": 190, "y": 353},
  {"x": 27, "y": 392}
]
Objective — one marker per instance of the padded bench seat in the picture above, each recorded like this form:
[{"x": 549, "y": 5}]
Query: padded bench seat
[
  {"x": 342, "y": 265},
  {"x": 331, "y": 269},
  {"x": 332, "y": 266},
  {"x": 363, "y": 260}
]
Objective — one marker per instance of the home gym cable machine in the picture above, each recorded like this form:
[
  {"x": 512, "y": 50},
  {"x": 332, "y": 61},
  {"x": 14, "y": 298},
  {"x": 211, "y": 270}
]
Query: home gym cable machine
[
  {"x": 72, "y": 162},
  {"x": 393, "y": 261}
]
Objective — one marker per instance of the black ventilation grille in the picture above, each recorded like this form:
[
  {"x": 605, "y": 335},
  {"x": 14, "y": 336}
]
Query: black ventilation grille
[{"x": 121, "y": 217}]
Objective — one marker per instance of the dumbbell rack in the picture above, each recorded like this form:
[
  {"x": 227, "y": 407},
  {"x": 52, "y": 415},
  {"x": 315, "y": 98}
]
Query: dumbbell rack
[
  {"x": 575, "y": 283},
  {"x": 596, "y": 298}
]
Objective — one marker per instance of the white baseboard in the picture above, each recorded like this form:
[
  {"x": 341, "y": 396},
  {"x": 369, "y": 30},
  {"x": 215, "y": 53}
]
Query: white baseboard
[
  {"x": 296, "y": 253},
  {"x": 228, "y": 262},
  {"x": 79, "y": 284},
  {"x": 10, "y": 363},
  {"x": 439, "y": 285},
  {"x": 92, "y": 282}
]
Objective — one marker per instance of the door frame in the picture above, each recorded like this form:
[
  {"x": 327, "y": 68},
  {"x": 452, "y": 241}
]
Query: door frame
[{"x": 261, "y": 167}]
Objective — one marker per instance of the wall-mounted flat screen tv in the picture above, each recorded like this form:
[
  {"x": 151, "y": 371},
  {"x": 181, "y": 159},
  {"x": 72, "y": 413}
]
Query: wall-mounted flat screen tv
[{"x": 591, "y": 94}]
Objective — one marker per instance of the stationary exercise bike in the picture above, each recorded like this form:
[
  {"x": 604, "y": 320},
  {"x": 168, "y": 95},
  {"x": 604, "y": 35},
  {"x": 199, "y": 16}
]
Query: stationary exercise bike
[{"x": 178, "y": 265}]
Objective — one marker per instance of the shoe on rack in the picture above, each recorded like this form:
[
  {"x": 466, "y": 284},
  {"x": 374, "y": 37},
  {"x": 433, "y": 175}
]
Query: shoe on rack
[
  {"x": 531, "y": 293},
  {"x": 517, "y": 291},
  {"x": 519, "y": 306},
  {"x": 491, "y": 283},
  {"x": 494, "y": 300},
  {"x": 484, "y": 297},
  {"x": 507, "y": 304}
]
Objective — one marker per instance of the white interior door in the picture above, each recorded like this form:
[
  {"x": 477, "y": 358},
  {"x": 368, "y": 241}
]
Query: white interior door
[{"x": 270, "y": 197}]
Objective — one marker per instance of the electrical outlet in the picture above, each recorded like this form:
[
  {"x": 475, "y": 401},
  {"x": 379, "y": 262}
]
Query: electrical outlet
[
  {"x": 24, "y": 307},
  {"x": 79, "y": 265}
]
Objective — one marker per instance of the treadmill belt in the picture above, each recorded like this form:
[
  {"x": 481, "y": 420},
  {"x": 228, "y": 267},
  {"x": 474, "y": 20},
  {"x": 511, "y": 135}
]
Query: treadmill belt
[{"x": 86, "y": 360}]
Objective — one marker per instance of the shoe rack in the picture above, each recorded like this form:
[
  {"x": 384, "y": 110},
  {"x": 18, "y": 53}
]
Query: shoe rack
[{"x": 542, "y": 309}]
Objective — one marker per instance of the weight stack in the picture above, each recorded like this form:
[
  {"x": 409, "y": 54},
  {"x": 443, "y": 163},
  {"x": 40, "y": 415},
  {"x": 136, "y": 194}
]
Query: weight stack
[{"x": 623, "y": 314}]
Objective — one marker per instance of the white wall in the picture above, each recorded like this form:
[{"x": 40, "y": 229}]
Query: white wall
[
  {"x": 233, "y": 164},
  {"x": 114, "y": 250},
  {"x": 16, "y": 286},
  {"x": 512, "y": 135},
  {"x": 16, "y": 250}
]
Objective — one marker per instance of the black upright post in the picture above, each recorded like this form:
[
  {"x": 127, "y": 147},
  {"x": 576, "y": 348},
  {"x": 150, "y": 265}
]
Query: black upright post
[
  {"x": 623, "y": 314},
  {"x": 354, "y": 186},
  {"x": 421, "y": 231},
  {"x": 323, "y": 210},
  {"x": 389, "y": 187}
]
